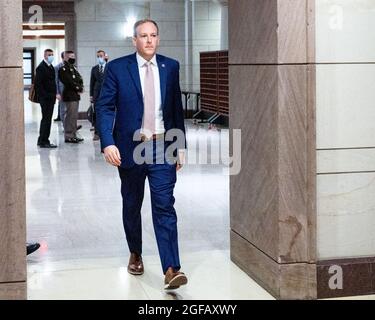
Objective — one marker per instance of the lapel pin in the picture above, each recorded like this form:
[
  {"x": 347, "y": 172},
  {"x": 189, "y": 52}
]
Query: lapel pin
[{"x": 163, "y": 65}]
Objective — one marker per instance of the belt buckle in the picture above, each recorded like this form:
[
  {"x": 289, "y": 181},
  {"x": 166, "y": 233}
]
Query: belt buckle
[
  {"x": 145, "y": 139},
  {"x": 153, "y": 137},
  {"x": 159, "y": 136}
]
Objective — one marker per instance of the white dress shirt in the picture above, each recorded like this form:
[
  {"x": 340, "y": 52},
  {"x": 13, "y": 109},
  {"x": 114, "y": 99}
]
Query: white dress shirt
[
  {"x": 159, "y": 122},
  {"x": 103, "y": 65}
]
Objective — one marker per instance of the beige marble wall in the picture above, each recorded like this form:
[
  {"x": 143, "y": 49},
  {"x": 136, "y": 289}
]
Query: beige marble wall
[
  {"x": 272, "y": 101},
  {"x": 12, "y": 158},
  {"x": 345, "y": 128}
]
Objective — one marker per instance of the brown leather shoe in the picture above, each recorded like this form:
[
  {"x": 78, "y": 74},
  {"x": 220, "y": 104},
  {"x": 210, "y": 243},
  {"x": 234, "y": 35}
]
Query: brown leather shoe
[
  {"x": 135, "y": 265},
  {"x": 174, "y": 279}
]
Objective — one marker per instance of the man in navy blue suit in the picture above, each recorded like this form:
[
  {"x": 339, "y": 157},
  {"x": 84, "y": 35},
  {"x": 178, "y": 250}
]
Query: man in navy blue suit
[{"x": 140, "y": 117}]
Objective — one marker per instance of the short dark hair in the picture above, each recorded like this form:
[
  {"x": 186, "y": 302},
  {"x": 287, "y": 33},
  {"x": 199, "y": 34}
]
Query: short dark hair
[
  {"x": 63, "y": 54},
  {"x": 100, "y": 51},
  {"x": 69, "y": 52},
  {"x": 48, "y": 50},
  {"x": 140, "y": 22}
]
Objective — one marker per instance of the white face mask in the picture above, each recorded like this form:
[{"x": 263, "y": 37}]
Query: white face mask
[
  {"x": 50, "y": 59},
  {"x": 101, "y": 60}
]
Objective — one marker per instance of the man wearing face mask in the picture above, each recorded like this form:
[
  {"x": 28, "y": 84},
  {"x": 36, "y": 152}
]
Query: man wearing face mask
[
  {"x": 60, "y": 88},
  {"x": 45, "y": 88},
  {"x": 96, "y": 82},
  {"x": 73, "y": 88}
]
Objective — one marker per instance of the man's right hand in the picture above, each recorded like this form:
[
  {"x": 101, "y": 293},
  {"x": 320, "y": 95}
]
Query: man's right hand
[{"x": 112, "y": 155}]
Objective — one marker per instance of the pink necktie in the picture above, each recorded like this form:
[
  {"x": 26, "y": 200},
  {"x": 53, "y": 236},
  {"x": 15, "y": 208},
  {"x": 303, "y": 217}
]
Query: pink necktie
[{"x": 149, "y": 101}]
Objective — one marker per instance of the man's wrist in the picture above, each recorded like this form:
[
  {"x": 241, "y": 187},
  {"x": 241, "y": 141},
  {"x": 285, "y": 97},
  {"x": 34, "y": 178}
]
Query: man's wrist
[{"x": 181, "y": 156}]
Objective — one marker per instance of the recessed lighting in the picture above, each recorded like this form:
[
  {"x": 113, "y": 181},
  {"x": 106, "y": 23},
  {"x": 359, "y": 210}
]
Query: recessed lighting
[{"x": 128, "y": 26}]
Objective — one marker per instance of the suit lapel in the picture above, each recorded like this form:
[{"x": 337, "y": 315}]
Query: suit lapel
[
  {"x": 163, "y": 77},
  {"x": 134, "y": 72}
]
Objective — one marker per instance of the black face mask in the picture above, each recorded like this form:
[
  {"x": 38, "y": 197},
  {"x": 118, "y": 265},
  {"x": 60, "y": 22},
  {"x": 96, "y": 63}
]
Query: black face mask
[{"x": 72, "y": 61}]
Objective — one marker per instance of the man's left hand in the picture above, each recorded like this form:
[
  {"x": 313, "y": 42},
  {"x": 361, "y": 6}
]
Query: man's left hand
[{"x": 181, "y": 159}]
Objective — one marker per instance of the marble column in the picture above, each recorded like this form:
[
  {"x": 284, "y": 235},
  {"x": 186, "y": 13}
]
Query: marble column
[
  {"x": 272, "y": 101},
  {"x": 12, "y": 157},
  {"x": 71, "y": 35}
]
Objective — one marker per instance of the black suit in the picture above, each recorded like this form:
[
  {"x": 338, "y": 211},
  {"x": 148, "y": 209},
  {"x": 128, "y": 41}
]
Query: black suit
[
  {"x": 96, "y": 82},
  {"x": 45, "y": 88}
]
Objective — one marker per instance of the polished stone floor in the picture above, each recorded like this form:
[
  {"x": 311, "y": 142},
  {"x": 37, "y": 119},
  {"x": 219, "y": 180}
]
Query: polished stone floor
[
  {"x": 74, "y": 211},
  {"x": 74, "y": 202}
]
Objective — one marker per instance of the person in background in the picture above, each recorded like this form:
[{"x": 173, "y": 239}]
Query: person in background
[
  {"x": 73, "y": 88},
  {"x": 96, "y": 82},
  {"x": 60, "y": 88},
  {"x": 45, "y": 89}
]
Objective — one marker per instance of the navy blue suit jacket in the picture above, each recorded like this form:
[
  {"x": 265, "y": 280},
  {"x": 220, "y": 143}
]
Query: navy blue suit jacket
[{"x": 120, "y": 105}]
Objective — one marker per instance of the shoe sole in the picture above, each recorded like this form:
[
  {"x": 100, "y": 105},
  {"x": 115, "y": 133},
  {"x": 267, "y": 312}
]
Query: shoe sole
[
  {"x": 32, "y": 251},
  {"x": 176, "y": 282},
  {"x": 135, "y": 273}
]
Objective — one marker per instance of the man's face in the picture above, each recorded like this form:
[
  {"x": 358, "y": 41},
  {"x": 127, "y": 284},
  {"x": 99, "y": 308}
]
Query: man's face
[
  {"x": 70, "y": 56},
  {"x": 100, "y": 55},
  {"x": 47, "y": 54},
  {"x": 147, "y": 40}
]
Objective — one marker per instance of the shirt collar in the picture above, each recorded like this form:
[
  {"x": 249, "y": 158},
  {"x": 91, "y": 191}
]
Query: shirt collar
[
  {"x": 141, "y": 61},
  {"x": 48, "y": 64}
]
